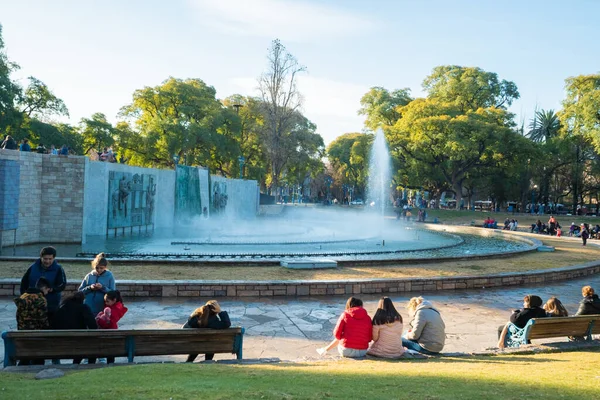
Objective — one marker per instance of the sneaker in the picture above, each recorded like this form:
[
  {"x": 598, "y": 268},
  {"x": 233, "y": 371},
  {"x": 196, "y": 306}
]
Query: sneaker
[{"x": 322, "y": 351}]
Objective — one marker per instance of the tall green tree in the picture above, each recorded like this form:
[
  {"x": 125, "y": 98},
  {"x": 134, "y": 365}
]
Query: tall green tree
[
  {"x": 39, "y": 101},
  {"x": 469, "y": 88},
  {"x": 97, "y": 133},
  {"x": 178, "y": 117},
  {"x": 380, "y": 106}
]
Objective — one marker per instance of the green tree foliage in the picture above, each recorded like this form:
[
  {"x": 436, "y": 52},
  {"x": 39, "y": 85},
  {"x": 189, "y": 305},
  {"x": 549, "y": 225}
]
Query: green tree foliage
[
  {"x": 581, "y": 108},
  {"x": 303, "y": 150},
  {"x": 469, "y": 88},
  {"x": 39, "y": 101},
  {"x": 349, "y": 158},
  {"x": 178, "y": 117},
  {"x": 456, "y": 144},
  {"x": 380, "y": 107},
  {"x": 46, "y": 134},
  {"x": 9, "y": 92},
  {"x": 544, "y": 126},
  {"x": 97, "y": 133}
]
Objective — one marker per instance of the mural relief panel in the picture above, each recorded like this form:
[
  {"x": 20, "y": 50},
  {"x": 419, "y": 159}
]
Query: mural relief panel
[{"x": 130, "y": 199}]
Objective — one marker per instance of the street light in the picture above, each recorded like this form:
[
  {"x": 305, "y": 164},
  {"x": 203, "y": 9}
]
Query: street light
[
  {"x": 533, "y": 198},
  {"x": 241, "y": 160}
]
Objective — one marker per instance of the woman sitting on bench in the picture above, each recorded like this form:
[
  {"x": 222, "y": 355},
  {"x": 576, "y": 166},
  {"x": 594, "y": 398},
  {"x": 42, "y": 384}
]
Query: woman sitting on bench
[
  {"x": 532, "y": 308},
  {"x": 554, "y": 308},
  {"x": 208, "y": 316}
]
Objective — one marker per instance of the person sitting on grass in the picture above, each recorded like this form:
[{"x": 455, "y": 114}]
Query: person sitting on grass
[
  {"x": 554, "y": 308},
  {"x": 387, "y": 331},
  {"x": 208, "y": 316},
  {"x": 427, "y": 333},
  {"x": 353, "y": 331},
  {"x": 590, "y": 304},
  {"x": 532, "y": 308}
]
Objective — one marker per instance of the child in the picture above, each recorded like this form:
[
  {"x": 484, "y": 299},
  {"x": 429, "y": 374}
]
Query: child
[
  {"x": 114, "y": 303},
  {"x": 32, "y": 312},
  {"x": 558, "y": 231}
]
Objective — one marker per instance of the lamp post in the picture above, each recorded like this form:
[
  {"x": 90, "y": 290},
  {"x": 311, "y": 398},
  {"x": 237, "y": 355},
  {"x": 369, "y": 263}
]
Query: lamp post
[
  {"x": 532, "y": 208},
  {"x": 241, "y": 160}
]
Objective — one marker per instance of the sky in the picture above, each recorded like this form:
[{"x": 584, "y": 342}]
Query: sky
[{"x": 95, "y": 54}]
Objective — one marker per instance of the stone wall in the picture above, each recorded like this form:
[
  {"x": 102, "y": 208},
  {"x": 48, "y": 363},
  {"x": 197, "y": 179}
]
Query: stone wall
[
  {"x": 50, "y": 197},
  {"x": 190, "y": 289}
]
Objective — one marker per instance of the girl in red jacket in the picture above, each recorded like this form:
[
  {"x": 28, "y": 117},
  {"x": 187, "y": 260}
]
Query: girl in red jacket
[
  {"x": 352, "y": 332},
  {"x": 114, "y": 302}
]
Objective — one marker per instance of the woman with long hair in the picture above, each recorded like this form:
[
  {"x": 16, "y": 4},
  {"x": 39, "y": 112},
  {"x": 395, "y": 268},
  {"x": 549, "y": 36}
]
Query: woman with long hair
[
  {"x": 387, "y": 331},
  {"x": 97, "y": 283},
  {"x": 352, "y": 332},
  {"x": 554, "y": 308},
  {"x": 209, "y": 316}
]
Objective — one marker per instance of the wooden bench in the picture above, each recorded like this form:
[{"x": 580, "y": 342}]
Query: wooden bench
[
  {"x": 542, "y": 328},
  {"x": 67, "y": 344}
]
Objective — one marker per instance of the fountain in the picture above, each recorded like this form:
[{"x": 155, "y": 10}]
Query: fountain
[{"x": 379, "y": 174}]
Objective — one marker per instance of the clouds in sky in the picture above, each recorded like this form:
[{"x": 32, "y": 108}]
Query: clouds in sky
[{"x": 292, "y": 20}]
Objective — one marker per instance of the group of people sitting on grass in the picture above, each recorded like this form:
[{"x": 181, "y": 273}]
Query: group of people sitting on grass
[
  {"x": 357, "y": 335},
  {"x": 532, "y": 308}
]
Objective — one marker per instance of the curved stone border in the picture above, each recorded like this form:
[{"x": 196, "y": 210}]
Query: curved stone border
[{"x": 206, "y": 288}]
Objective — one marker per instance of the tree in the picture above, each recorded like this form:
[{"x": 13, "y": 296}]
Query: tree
[
  {"x": 97, "y": 132},
  {"x": 349, "y": 158},
  {"x": 543, "y": 126},
  {"x": 281, "y": 100},
  {"x": 9, "y": 91},
  {"x": 38, "y": 101},
  {"x": 469, "y": 88},
  {"x": 454, "y": 143},
  {"x": 178, "y": 117},
  {"x": 381, "y": 107},
  {"x": 580, "y": 119}
]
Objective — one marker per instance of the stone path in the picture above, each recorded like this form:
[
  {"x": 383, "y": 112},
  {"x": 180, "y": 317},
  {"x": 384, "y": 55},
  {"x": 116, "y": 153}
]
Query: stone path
[{"x": 292, "y": 328}]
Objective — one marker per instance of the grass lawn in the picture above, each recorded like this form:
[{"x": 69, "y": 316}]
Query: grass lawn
[
  {"x": 571, "y": 375},
  {"x": 567, "y": 253}
]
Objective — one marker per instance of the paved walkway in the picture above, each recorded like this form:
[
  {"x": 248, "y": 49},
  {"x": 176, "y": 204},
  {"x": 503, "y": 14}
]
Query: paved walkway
[{"x": 292, "y": 328}]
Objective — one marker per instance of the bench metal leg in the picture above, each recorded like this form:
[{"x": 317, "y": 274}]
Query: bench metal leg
[
  {"x": 239, "y": 344},
  {"x": 9, "y": 350},
  {"x": 588, "y": 333},
  {"x": 130, "y": 344}
]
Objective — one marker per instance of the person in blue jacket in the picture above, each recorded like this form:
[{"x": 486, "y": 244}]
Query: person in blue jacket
[
  {"x": 46, "y": 267},
  {"x": 97, "y": 283}
]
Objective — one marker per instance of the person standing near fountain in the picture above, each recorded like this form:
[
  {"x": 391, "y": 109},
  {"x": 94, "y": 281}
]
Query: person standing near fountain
[{"x": 97, "y": 283}]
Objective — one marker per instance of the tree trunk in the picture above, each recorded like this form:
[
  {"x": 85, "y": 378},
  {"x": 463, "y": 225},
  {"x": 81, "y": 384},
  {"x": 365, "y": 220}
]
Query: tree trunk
[{"x": 457, "y": 187}]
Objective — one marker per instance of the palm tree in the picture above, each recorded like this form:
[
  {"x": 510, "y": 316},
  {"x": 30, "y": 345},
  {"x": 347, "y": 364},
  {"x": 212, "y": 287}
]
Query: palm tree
[{"x": 543, "y": 126}]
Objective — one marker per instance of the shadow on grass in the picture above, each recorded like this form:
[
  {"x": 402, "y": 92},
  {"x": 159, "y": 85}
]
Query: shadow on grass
[{"x": 440, "y": 379}]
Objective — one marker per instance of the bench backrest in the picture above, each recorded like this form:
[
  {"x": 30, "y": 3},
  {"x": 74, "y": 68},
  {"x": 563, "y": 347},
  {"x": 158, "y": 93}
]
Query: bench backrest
[
  {"x": 120, "y": 343},
  {"x": 542, "y": 328}
]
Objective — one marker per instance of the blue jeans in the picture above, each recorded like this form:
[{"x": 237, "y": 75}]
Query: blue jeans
[{"x": 412, "y": 345}]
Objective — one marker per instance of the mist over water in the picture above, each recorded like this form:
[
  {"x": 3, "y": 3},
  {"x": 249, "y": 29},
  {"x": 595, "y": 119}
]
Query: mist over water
[{"x": 378, "y": 186}]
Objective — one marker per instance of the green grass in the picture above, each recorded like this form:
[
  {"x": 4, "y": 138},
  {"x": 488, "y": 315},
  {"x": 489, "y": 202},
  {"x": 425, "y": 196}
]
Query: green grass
[{"x": 572, "y": 375}]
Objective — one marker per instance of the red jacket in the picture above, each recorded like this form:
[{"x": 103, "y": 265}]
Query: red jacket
[
  {"x": 354, "y": 329},
  {"x": 117, "y": 311}
]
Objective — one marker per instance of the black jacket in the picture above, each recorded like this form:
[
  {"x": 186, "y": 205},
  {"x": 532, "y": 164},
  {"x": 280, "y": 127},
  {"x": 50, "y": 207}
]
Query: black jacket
[
  {"x": 521, "y": 317},
  {"x": 9, "y": 144},
  {"x": 589, "y": 305},
  {"x": 74, "y": 315},
  {"x": 217, "y": 321}
]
